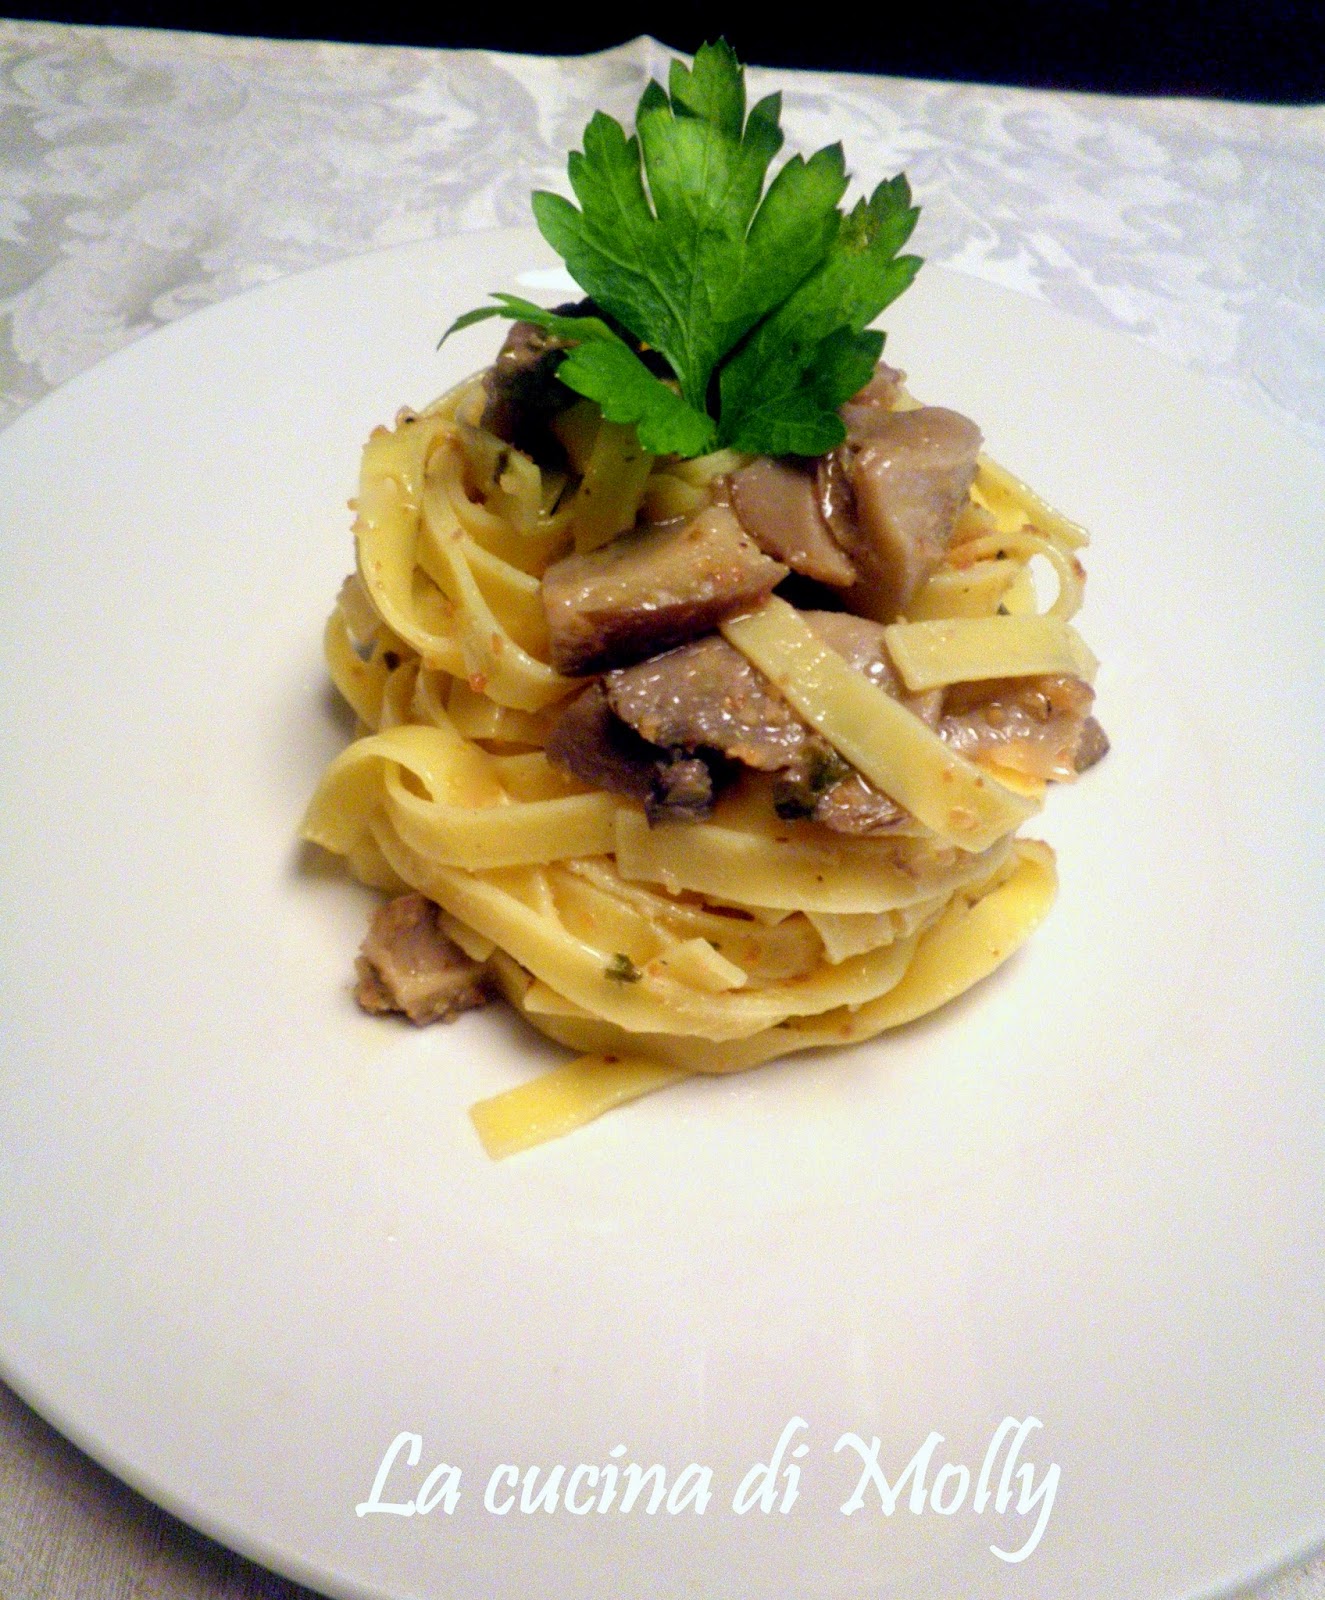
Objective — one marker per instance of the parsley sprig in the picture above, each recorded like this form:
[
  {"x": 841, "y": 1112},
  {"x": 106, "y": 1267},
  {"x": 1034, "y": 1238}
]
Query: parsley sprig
[{"x": 758, "y": 294}]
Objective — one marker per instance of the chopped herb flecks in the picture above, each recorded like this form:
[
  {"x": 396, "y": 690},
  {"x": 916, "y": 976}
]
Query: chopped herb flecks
[{"x": 621, "y": 969}]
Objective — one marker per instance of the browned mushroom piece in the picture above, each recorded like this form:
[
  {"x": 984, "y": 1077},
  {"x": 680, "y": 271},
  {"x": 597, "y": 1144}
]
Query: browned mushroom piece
[
  {"x": 407, "y": 964},
  {"x": 891, "y": 495},
  {"x": 778, "y": 504},
  {"x": 1037, "y": 725},
  {"x": 652, "y": 588}
]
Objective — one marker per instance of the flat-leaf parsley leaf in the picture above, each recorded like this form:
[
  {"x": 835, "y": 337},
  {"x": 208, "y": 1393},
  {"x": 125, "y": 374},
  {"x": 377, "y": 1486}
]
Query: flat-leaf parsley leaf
[{"x": 757, "y": 294}]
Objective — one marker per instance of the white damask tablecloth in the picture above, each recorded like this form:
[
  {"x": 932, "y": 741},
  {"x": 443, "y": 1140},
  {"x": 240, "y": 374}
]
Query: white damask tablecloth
[{"x": 143, "y": 175}]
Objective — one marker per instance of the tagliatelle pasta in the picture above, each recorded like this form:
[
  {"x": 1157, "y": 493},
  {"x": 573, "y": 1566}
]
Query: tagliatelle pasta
[
  {"x": 660, "y": 944},
  {"x": 702, "y": 673},
  {"x": 876, "y": 733}
]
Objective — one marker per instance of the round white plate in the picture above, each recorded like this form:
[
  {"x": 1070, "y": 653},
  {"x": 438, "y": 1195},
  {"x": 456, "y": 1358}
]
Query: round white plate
[{"x": 249, "y": 1237}]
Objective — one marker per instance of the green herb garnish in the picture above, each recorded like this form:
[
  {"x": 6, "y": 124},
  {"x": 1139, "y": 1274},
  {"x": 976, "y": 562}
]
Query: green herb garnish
[
  {"x": 621, "y": 969},
  {"x": 798, "y": 796},
  {"x": 757, "y": 294}
]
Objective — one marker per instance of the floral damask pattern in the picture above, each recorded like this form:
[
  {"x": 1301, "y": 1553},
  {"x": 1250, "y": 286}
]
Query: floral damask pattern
[{"x": 145, "y": 174}]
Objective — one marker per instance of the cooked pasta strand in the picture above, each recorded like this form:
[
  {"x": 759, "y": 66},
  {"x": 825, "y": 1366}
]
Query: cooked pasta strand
[{"x": 653, "y": 944}]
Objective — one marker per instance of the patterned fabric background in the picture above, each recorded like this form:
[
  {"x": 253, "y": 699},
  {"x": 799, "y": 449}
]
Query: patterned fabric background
[{"x": 145, "y": 174}]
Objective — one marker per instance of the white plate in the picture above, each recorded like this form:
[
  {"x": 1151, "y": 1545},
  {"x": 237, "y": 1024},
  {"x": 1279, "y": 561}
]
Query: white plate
[{"x": 248, "y": 1234}]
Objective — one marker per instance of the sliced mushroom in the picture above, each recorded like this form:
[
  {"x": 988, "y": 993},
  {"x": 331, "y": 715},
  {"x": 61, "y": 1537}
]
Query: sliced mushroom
[
  {"x": 778, "y": 505},
  {"x": 891, "y": 496},
  {"x": 653, "y": 588}
]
